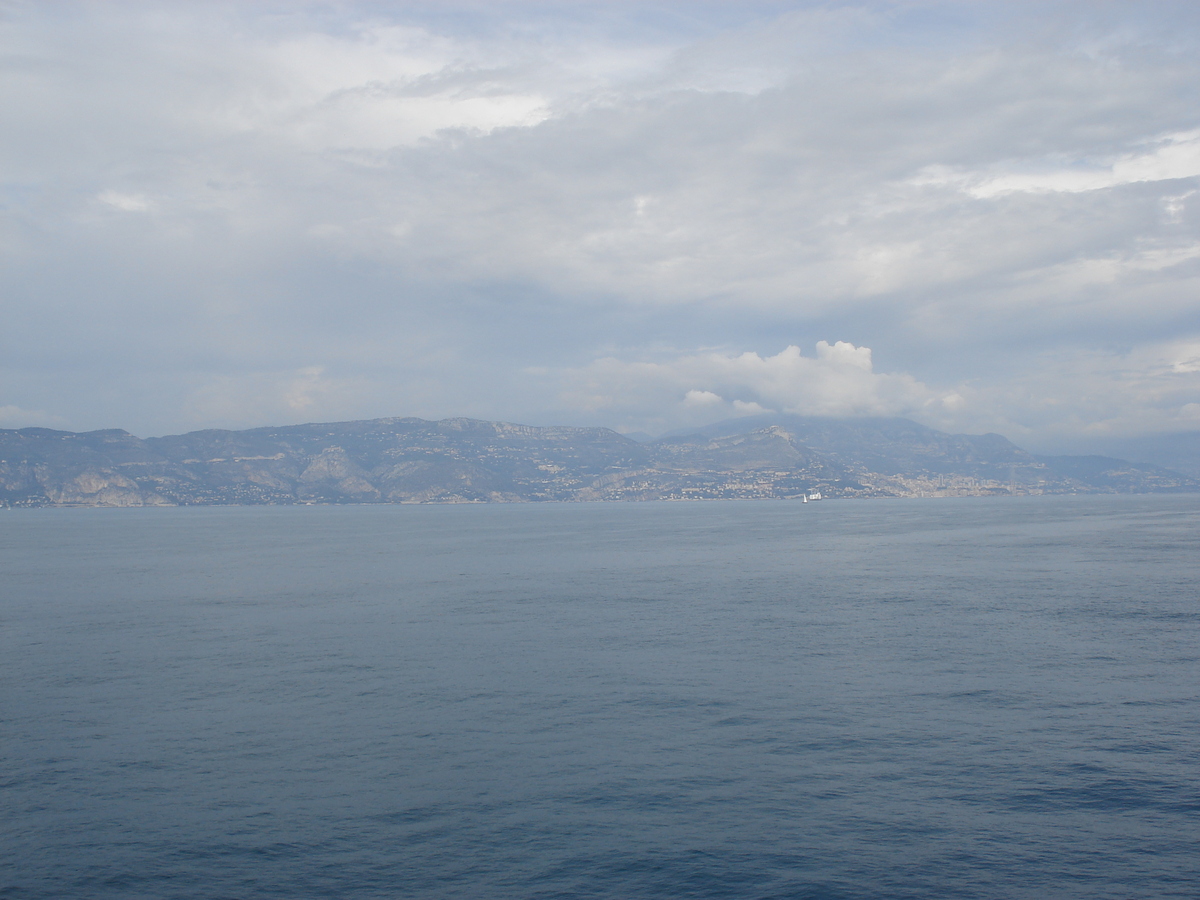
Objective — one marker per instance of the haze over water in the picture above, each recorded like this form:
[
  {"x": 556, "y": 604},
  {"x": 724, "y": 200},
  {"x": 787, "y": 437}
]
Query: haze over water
[{"x": 975, "y": 698}]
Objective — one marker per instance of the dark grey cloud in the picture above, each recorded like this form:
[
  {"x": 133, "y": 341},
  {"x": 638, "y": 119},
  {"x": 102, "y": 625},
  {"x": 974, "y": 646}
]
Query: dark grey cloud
[{"x": 633, "y": 215}]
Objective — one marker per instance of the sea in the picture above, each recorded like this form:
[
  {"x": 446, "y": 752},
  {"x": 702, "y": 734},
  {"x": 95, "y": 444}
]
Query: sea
[{"x": 974, "y": 698}]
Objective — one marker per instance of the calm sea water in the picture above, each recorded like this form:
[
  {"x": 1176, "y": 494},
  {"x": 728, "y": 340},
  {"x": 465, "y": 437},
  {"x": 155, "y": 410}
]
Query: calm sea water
[{"x": 862, "y": 699}]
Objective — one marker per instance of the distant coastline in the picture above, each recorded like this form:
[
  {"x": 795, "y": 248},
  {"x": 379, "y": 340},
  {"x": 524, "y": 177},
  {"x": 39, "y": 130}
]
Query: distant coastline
[{"x": 410, "y": 460}]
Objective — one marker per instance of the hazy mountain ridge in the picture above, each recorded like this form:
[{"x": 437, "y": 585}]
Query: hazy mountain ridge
[
  {"x": 1179, "y": 451},
  {"x": 409, "y": 460}
]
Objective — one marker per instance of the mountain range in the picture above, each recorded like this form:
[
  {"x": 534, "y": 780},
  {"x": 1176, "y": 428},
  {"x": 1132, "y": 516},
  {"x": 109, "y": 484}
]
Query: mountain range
[{"x": 410, "y": 460}]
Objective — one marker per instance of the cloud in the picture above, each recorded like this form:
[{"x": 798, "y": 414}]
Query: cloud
[
  {"x": 381, "y": 87},
  {"x": 125, "y": 202},
  {"x": 1174, "y": 156},
  {"x": 702, "y": 399},
  {"x": 1056, "y": 397},
  {"x": 838, "y": 381}
]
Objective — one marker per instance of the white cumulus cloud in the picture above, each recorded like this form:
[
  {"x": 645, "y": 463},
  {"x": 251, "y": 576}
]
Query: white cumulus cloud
[{"x": 839, "y": 380}]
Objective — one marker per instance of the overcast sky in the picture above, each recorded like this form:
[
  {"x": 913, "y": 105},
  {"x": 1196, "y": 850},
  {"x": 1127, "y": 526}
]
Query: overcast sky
[{"x": 984, "y": 216}]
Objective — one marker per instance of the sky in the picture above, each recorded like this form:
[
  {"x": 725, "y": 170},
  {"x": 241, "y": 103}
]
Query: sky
[{"x": 643, "y": 215}]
